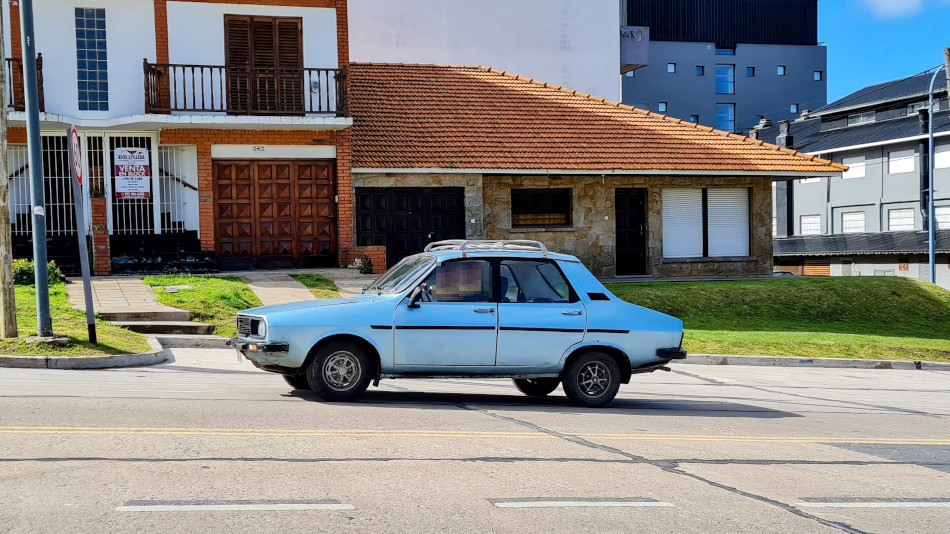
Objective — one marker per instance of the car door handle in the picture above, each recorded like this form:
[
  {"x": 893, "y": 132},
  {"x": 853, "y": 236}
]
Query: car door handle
[
  {"x": 484, "y": 310},
  {"x": 571, "y": 312}
]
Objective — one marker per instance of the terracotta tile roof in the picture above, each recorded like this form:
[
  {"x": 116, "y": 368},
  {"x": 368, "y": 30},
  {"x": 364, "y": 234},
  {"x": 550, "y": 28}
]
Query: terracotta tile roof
[{"x": 429, "y": 116}]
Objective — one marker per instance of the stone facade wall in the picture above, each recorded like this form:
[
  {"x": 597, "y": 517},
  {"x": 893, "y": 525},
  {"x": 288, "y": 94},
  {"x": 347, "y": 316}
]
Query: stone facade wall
[
  {"x": 472, "y": 183},
  {"x": 592, "y": 236}
]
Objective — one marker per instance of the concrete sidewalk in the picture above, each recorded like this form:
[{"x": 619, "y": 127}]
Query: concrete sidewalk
[
  {"x": 123, "y": 299},
  {"x": 277, "y": 287}
]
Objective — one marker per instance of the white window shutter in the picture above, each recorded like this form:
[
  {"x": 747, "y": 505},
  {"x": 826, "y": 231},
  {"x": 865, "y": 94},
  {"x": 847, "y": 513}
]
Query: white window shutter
[
  {"x": 728, "y": 222},
  {"x": 682, "y": 223}
]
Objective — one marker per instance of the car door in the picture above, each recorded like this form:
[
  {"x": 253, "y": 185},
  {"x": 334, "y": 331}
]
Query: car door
[
  {"x": 539, "y": 314},
  {"x": 455, "y": 323}
]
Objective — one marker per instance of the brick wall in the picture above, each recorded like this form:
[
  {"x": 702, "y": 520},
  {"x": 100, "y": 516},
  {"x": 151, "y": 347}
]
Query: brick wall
[
  {"x": 101, "y": 253},
  {"x": 203, "y": 139},
  {"x": 377, "y": 255}
]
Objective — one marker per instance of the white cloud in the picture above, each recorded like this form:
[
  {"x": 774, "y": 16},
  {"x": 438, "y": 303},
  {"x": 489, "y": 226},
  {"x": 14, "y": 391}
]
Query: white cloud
[{"x": 886, "y": 9}]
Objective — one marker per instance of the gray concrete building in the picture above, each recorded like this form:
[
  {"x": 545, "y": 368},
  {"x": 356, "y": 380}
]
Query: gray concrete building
[
  {"x": 723, "y": 63},
  {"x": 872, "y": 220}
]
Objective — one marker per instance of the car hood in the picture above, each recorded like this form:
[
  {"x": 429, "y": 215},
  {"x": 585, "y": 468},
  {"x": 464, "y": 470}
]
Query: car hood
[{"x": 313, "y": 304}]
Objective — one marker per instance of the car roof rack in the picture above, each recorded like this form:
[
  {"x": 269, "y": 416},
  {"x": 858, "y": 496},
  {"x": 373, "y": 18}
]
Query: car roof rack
[{"x": 487, "y": 244}]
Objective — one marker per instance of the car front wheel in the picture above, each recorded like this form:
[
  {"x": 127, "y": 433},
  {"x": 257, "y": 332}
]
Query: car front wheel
[
  {"x": 536, "y": 387},
  {"x": 592, "y": 380},
  {"x": 340, "y": 371}
]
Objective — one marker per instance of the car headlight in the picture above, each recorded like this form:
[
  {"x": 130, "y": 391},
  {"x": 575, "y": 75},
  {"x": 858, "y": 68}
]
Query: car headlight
[{"x": 262, "y": 329}]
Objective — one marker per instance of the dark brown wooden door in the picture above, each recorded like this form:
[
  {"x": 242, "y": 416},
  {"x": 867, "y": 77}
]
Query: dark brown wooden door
[
  {"x": 275, "y": 213},
  {"x": 264, "y": 63},
  {"x": 631, "y": 222}
]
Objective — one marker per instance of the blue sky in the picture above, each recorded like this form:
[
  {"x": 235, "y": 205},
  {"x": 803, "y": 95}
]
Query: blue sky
[{"x": 872, "y": 41}]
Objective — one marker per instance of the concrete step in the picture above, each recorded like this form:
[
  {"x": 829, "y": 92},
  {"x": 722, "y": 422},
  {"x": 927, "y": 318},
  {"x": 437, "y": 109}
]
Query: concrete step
[
  {"x": 170, "y": 314},
  {"x": 166, "y": 327},
  {"x": 182, "y": 341}
]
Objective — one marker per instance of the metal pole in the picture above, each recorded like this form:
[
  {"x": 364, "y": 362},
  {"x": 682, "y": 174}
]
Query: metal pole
[
  {"x": 44, "y": 324},
  {"x": 79, "y": 201},
  {"x": 7, "y": 298},
  {"x": 931, "y": 223}
]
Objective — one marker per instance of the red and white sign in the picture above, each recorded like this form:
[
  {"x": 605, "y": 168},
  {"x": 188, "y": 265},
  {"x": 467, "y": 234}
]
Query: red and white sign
[
  {"x": 75, "y": 152},
  {"x": 133, "y": 176}
]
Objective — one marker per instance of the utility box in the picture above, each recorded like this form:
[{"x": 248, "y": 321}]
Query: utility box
[{"x": 634, "y": 48}]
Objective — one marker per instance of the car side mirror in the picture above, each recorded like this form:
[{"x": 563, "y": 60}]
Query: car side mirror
[{"x": 415, "y": 296}]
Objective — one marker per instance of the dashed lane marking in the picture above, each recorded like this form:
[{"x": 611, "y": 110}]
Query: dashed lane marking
[
  {"x": 232, "y": 506},
  {"x": 548, "y": 502}
]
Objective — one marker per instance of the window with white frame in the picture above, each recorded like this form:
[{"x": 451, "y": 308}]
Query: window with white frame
[
  {"x": 810, "y": 224},
  {"x": 857, "y": 167},
  {"x": 860, "y": 118},
  {"x": 942, "y": 216},
  {"x": 942, "y": 157},
  {"x": 810, "y": 180},
  {"x": 901, "y": 219},
  {"x": 706, "y": 223},
  {"x": 900, "y": 161},
  {"x": 852, "y": 222}
]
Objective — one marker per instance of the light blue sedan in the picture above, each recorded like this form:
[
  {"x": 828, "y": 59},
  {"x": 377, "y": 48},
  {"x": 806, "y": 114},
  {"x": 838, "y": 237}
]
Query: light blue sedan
[{"x": 467, "y": 309}]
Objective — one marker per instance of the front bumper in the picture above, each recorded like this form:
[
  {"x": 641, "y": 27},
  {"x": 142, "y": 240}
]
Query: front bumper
[{"x": 268, "y": 347}]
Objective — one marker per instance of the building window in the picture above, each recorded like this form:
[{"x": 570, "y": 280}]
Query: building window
[
  {"x": 705, "y": 223},
  {"x": 793, "y": 108},
  {"x": 902, "y": 219},
  {"x": 857, "y": 167},
  {"x": 726, "y": 117},
  {"x": 671, "y": 67},
  {"x": 818, "y": 75},
  {"x": 852, "y": 222},
  {"x": 700, "y": 70},
  {"x": 810, "y": 224},
  {"x": 942, "y": 216},
  {"x": 629, "y": 73},
  {"x": 661, "y": 107},
  {"x": 91, "y": 60},
  {"x": 809, "y": 180},
  {"x": 942, "y": 157},
  {"x": 750, "y": 72},
  {"x": 900, "y": 161},
  {"x": 694, "y": 119},
  {"x": 860, "y": 118},
  {"x": 725, "y": 52},
  {"x": 540, "y": 207},
  {"x": 725, "y": 79},
  {"x": 781, "y": 70},
  {"x": 774, "y": 226}
]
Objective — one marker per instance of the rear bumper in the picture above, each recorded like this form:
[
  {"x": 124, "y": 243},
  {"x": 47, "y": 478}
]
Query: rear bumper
[{"x": 671, "y": 354}]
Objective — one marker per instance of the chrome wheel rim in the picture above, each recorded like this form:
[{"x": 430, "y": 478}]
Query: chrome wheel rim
[
  {"x": 341, "y": 370},
  {"x": 593, "y": 379}
]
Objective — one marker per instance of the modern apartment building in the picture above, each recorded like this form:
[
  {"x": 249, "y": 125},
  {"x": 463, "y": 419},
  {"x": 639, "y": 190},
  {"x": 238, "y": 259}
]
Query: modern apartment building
[
  {"x": 725, "y": 63},
  {"x": 872, "y": 220}
]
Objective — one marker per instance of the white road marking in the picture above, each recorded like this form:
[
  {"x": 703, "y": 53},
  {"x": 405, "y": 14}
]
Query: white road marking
[
  {"x": 581, "y": 504},
  {"x": 274, "y": 507},
  {"x": 875, "y": 504}
]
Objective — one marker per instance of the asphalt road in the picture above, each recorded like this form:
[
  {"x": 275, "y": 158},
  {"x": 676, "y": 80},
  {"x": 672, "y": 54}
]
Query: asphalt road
[{"x": 208, "y": 444}]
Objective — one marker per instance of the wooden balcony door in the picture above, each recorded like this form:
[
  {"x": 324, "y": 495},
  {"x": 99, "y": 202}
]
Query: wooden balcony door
[{"x": 264, "y": 63}]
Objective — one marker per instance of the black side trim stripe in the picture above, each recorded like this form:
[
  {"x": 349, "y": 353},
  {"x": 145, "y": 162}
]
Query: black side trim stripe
[
  {"x": 408, "y": 327},
  {"x": 532, "y": 329},
  {"x": 606, "y": 331},
  {"x": 381, "y": 327}
]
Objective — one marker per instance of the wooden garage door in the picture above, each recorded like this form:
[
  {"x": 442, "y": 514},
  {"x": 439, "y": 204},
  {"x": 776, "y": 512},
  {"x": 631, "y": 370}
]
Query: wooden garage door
[{"x": 274, "y": 213}]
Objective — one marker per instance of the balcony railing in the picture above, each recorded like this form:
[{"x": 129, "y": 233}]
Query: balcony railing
[
  {"x": 14, "y": 72},
  {"x": 243, "y": 90}
]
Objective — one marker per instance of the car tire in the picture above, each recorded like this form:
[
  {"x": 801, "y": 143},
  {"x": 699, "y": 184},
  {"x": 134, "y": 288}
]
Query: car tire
[
  {"x": 592, "y": 380},
  {"x": 340, "y": 372},
  {"x": 297, "y": 381},
  {"x": 536, "y": 387}
]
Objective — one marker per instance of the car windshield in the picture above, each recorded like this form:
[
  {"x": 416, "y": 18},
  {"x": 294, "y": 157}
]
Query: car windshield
[{"x": 402, "y": 274}]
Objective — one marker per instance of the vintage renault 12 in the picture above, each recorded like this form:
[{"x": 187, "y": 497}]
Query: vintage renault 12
[{"x": 466, "y": 308}]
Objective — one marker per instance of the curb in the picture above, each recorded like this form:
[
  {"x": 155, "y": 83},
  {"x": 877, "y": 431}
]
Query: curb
[
  {"x": 89, "y": 362},
  {"x": 825, "y": 363},
  {"x": 185, "y": 341}
]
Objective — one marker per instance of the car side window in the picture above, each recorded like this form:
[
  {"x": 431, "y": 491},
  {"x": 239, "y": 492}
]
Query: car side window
[
  {"x": 459, "y": 281},
  {"x": 533, "y": 281}
]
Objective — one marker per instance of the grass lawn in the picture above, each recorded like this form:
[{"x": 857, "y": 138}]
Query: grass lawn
[
  {"x": 321, "y": 287},
  {"x": 210, "y": 299},
  {"x": 70, "y": 323},
  {"x": 853, "y": 317}
]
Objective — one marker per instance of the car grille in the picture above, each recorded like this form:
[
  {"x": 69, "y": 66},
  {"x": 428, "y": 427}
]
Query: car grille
[{"x": 244, "y": 326}]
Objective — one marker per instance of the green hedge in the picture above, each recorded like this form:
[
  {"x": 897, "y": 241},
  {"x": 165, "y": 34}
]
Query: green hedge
[{"x": 23, "y": 273}]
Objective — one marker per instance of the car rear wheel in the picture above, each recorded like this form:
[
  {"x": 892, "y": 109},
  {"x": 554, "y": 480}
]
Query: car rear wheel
[
  {"x": 297, "y": 381},
  {"x": 592, "y": 380},
  {"x": 340, "y": 371},
  {"x": 536, "y": 387}
]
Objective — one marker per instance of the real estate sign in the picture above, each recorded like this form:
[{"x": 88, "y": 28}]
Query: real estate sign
[{"x": 133, "y": 177}]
